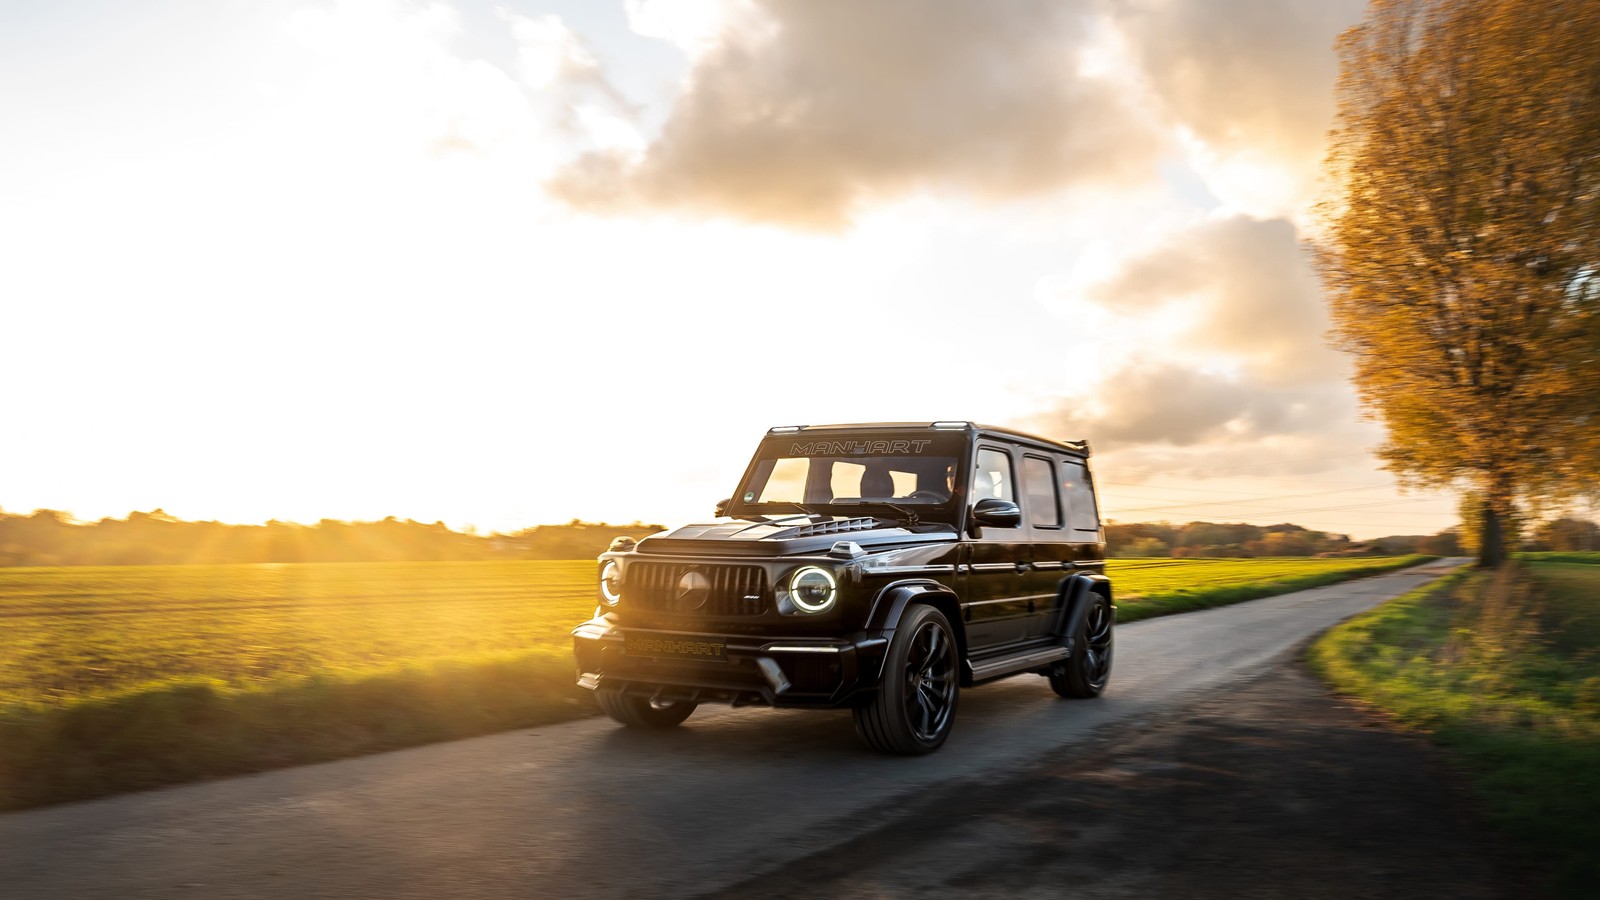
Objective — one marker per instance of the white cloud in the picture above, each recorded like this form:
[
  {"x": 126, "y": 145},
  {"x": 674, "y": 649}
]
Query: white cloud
[
  {"x": 1209, "y": 336},
  {"x": 561, "y": 69},
  {"x": 1244, "y": 286},
  {"x": 1249, "y": 83},
  {"x": 548, "y": 52},
  {"x": 380, "y": 80},
  {"x": 694, "y": 26},
  {"x": 805, "y": 113}
]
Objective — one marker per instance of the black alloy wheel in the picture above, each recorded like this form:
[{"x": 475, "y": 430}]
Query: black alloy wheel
[
  {"x": 916, "y": 701},
  {"x": 642, "y": 712},
  {"x": 1085, "y": 673}
]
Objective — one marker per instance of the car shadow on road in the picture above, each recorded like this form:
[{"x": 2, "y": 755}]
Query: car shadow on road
[
  {"x": 1274, "y": 789},
  {"x": 719, "y": 732}
]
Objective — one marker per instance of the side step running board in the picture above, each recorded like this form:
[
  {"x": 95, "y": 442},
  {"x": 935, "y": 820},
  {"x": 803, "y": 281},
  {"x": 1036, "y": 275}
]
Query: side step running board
[{"x": 988, "y": 670}]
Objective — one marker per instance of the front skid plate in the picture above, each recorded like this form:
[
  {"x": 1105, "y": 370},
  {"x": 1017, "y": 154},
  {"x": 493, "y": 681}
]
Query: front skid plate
[{"x": 798, "y": 672}]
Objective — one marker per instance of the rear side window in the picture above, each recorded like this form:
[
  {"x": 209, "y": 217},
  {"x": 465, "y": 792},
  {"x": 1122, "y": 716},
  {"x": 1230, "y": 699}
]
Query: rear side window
[
  {"x": 993, "y": 476},
  {"x": 1079, "y": 492},
  {"x": 1039, "y": 486}
]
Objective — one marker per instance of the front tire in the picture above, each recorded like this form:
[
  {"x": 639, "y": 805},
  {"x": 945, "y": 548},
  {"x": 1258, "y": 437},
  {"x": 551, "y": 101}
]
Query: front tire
[
  {"x": 916, "y": 700},
  {"x": 641, "y": 712},
  {"x": 1086, "y": 672}
]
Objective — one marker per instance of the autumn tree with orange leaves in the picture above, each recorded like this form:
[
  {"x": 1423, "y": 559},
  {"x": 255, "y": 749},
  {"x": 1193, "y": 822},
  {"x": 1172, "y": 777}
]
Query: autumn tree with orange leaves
[{"x": 1462, "y": 246}]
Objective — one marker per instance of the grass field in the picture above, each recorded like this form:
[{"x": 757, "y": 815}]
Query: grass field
[
  {"x": 120, "y": 677},
  {"x": 1504, "y": 670},
  {"x": 72, "y": 633},
  {"x": 78, "y": 633},
  {"x": 1159, "y": 587}
]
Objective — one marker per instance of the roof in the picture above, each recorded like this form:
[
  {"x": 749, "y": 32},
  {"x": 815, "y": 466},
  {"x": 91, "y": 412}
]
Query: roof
[{"x": 1080, "y": 447}]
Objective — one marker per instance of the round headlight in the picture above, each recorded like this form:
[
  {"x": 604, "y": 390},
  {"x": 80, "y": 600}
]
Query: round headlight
[
  {"x": 813, "y": 590},
  {"x": 611, "y": 582}
]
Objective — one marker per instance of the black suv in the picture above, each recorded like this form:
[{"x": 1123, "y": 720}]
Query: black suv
[{"x": 881, "y": 567}]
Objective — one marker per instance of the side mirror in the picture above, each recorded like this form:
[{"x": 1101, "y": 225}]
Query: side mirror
[
  {"x": 722, "y": 507},
  {"x": 991, "y": 512}
]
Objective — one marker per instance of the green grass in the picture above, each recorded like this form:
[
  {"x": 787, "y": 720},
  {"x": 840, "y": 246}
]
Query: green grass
[
  {"x": 118, "y": 678},
  {"x": 1159, "y": 587},
  {"x": 1579, "y": 557},
  {"x": 1504, "y": 670},
  {"x": 75, "y": 633}
]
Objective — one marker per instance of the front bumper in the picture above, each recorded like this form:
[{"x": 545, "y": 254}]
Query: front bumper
[{"x": 794, "y": 672}]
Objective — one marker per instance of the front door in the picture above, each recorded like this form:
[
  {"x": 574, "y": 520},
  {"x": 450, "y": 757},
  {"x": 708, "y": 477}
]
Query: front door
[{"x": 997, "y": 608}]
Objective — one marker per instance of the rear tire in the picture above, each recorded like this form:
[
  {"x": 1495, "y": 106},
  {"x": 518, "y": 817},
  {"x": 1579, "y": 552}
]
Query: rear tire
[
  {"x": 641, "y": 712},
  {"x": 1084, "y": 674},
  {"x": 916, "y": 700}
]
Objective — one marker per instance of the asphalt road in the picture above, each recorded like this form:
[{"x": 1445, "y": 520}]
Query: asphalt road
[{"x": 587, "y": 809}]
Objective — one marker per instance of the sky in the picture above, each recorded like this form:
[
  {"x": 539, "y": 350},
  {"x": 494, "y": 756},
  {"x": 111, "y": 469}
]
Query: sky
[{"x": 503, "y": 264}]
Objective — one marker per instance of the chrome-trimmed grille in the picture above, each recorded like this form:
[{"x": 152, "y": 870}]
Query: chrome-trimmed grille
[{"x": 733, "y": 590}]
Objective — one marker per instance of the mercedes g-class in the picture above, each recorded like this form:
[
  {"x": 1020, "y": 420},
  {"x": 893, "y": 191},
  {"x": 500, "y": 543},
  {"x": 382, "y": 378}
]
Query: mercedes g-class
[{"x": 880, "y": 567}]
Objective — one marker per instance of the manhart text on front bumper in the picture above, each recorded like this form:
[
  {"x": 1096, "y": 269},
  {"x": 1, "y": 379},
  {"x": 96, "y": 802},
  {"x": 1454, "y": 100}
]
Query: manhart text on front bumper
[{"x": 797, "y": 672}]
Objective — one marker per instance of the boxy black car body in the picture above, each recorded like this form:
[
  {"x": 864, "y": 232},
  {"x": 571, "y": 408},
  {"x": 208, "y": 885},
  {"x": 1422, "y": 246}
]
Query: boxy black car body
[{"x": 881, "y": 567}]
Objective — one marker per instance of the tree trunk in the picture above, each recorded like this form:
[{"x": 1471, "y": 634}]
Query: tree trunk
[{"x": 1491, "y": 538}]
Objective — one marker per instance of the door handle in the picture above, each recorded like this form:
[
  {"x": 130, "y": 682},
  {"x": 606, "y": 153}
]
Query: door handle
[{"x": 1024, "y": 568}]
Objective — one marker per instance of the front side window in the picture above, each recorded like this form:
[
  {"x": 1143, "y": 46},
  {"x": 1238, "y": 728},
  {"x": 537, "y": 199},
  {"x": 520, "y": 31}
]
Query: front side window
[{"x": 992, "y": 476}]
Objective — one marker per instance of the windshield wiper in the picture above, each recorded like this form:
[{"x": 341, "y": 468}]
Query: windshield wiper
[{"x": 909, "y": 516}]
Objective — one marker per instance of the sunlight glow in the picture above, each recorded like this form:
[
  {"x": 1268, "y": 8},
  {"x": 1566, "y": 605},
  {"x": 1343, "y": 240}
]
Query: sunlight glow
[{"x": 302, "y": 263}]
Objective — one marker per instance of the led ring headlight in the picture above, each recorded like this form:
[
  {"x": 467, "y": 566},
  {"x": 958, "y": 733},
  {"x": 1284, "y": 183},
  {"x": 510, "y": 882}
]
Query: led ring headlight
[
  {"x": 813, "y": 590},
  {"x": 611, "y": 582}
]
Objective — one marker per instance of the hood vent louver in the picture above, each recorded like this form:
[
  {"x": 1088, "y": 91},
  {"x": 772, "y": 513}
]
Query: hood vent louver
[{"x": 839, "y": 526}]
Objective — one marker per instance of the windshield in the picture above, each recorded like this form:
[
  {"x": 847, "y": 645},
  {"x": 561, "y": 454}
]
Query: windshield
[{"x": 812, "y": 476}]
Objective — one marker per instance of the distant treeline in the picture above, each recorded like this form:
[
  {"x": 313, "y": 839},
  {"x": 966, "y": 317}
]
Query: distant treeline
[
  {"x": 1238, "y": 539},
  {"x": 50, "y": 538}
]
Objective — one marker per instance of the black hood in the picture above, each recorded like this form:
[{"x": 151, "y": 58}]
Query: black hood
[{"x": 790, "y": 535}]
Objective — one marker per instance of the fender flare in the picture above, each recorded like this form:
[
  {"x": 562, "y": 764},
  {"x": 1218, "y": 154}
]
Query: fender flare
[
  {"x": 1073, "y": 595},
  {"x": 889, "y": 607}
]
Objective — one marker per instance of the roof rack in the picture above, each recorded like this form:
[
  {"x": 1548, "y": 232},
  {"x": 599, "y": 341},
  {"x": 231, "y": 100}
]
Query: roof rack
[
  {"x": 943, "y": 425},
  {"x": 1081, "y": 446}
]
